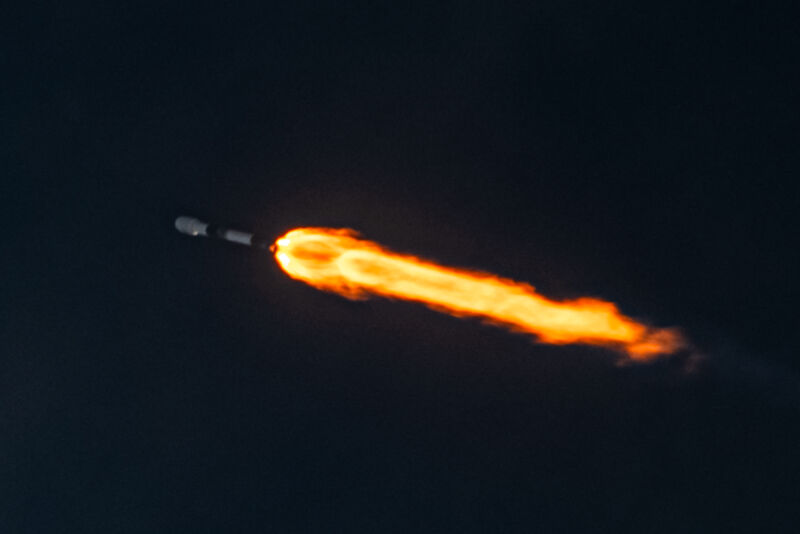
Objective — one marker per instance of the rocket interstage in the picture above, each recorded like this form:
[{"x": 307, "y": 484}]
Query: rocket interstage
[{"x": 342, "y": 262}]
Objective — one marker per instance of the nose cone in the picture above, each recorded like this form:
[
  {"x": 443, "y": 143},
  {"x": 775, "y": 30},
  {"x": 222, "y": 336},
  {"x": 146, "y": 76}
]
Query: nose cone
[{"x": 190, "y": 226}]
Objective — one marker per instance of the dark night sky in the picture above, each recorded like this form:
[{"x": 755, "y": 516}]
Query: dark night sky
[{"x": 150, "y": 382}]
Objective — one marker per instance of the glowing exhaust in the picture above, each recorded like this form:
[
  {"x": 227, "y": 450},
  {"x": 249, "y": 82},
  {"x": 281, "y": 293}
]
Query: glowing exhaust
[{"x": 338, "y": 260}]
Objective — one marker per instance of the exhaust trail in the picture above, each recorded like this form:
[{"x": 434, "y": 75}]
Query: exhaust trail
[{"x": 340, "y": 261}]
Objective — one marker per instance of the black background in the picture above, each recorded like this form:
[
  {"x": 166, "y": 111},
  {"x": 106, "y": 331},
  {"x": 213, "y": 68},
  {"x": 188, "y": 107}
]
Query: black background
[{"x": 642, "y": 153}]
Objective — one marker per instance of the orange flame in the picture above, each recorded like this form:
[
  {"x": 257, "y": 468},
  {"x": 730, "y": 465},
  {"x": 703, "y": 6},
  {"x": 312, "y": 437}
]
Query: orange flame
[{"x": 338, "y": 260}]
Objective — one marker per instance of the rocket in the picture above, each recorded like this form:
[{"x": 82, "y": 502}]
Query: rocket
[{"x": 195, "y": 227}]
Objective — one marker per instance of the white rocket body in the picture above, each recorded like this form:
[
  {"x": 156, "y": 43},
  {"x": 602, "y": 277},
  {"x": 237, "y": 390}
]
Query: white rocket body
[{"x": 194, "y": 227}]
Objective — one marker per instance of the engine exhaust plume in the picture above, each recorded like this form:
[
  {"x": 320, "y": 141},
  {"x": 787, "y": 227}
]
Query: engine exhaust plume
[{"x": 340, "y": 261}]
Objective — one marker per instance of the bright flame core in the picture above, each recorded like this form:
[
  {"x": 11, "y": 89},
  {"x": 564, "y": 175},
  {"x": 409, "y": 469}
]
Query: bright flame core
[{"x": 338, "y": 260}]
